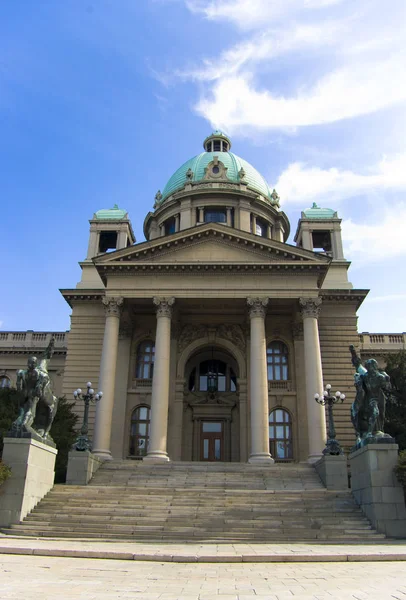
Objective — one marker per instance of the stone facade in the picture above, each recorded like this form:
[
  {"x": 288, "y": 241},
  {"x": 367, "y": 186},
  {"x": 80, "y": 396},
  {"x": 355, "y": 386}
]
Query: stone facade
[{"x": 215, "y": 323}]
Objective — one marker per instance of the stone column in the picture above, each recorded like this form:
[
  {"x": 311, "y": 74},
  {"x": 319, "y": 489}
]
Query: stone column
[
  {"x": 160, "y": 383},
  {"x": 254, "y": 224},
  {"x": 229, "y": 219},
  {"x": 107, "y": 379},
  {"x": 316, "y": 420},
  {"x": 278, "y": 232},
  {"x": 177, "y": 220},
  {"x": 201, "y": 214},
  {"x": 258, "y": 384}
]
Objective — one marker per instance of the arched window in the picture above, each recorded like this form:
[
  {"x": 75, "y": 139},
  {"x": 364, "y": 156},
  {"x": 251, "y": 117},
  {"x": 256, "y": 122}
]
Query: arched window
[
  {"x": 213, "y": 376},
  {"x": 277, "y": 356},
  {"x": 145, "y": 360},
  {"x": 280, "y": 434},
  {"x": 5, "y": 381},
  {"x": 139, "y": 435}
]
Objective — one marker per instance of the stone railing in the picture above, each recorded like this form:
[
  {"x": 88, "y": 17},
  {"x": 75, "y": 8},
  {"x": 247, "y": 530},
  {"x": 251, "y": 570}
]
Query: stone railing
[
  {"x": 143, "y": 383},
  {"x": 26, "y": 340},
  {"x": 275, "y": 386},
  {"x": 382, "y": 341}
]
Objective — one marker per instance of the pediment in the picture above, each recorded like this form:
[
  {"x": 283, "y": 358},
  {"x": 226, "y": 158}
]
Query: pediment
[{"x": 211, "y": 245}]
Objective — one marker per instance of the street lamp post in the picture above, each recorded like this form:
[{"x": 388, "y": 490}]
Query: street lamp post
[
  {"x": 332, "y": 445},
  {"x": 82, "y": 441}
]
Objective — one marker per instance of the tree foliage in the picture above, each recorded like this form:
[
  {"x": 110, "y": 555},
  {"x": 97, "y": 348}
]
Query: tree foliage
[
  {"x": 63, "y": 428},
  {"x": 395, "y": 418}
]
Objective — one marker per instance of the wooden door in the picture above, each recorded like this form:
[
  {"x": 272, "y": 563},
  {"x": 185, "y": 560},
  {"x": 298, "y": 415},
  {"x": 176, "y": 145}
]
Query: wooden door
[{"x": 212, "y": 441}]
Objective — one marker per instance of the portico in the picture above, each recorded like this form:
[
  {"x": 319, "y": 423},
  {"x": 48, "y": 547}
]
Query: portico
[{"x": 210, "y": 338}]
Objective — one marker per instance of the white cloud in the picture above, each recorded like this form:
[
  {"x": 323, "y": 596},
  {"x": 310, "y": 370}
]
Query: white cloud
[
  {"x": 348, "y": 92},
  {"x": 249, "y": 14},
  {"x": 266, "y": 46},
  {"x": 383, "y": 239},
  {"x": 300, "y": 184}
]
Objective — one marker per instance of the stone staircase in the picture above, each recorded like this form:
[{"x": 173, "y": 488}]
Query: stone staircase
[{"x": 190, "y": 502}]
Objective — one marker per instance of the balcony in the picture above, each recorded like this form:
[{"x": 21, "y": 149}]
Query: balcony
[
  {"x": 390, "y": 342},
  {"x": 21, "y": 341},
  {"x": 276, "y": 386}
]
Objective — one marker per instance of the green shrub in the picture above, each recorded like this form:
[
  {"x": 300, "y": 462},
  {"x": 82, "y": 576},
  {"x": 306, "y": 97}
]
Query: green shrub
[
  {"x": 400, "y": 469},
  {"x": 5, "y": 472}
]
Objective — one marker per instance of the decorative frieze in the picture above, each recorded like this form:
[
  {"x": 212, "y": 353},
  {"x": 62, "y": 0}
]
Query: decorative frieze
[
  {"x": 297, "y": 331},
  {"x": 190, "y": 333},
  {"x": 257, "y": 307},
  {"x": 112, "y": 305},
  {"x": 310, "y": 307},
  {"x": 233, "y": 333},
  {"x": 164, "y": 306}
]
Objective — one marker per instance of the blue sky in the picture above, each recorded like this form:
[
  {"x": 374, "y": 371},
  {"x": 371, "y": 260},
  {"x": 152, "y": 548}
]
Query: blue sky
[{"x": 102, "y": 100}]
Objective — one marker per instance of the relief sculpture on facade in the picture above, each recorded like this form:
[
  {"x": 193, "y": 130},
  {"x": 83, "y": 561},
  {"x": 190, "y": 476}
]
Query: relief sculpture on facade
[{"x": 233, "y": 333}]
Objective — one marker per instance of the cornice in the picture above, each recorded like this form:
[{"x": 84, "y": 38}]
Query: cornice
[
  {"x": 220, "y": 269},
  {"x": 80, "y": 295},
  {"x": 218, "y": 232},
  {"x": 357, "y": 296}
]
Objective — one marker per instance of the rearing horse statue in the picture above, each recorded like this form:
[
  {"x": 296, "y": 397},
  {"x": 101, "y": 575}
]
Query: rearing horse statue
[{"x": 40, "y": 405}]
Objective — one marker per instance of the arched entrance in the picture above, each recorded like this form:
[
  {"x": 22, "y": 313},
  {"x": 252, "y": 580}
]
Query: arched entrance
[{"x": 211, "y": 407}]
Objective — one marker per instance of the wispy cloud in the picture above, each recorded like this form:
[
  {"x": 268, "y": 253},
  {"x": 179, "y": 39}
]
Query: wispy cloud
[
  {"x": 384, "y": 239},
  {"x": 301, "y": 184},
  {"x": 250, "y": 14},
  {"x": 358, "y": 62},
  {"x": 266, "y": 45},
  {"x": 235, "y": 102}
]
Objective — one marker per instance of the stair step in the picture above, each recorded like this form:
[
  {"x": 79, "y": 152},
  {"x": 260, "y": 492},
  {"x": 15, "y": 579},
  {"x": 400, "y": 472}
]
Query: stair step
[{"x": 230, "y": 502}]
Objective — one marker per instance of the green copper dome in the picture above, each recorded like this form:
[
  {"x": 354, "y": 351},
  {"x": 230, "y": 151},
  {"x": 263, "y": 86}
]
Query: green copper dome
[
  {"x": 315, "y": 212},
  {"x": 114, "y": 213},
  {"x": 238, "y": 171}
]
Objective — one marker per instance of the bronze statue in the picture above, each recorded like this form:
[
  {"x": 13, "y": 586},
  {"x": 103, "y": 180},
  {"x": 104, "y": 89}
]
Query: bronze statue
[
  {"x": 40, "y": 405},
  {"x": 368, "y": 409}
]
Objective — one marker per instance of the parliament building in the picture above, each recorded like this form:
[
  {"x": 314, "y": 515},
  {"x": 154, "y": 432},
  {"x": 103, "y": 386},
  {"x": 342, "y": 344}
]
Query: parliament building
[{"x": 210, "y": 338}]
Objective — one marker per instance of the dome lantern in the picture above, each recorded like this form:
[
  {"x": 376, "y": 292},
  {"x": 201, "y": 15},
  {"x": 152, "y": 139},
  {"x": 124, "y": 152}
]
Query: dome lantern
[{"x": 217, "y": 142}]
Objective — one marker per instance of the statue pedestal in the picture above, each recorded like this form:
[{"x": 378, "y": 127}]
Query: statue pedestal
[
  {"x": 32, "y": 466},
  {"x": 332, "y": 470},
  {"x": 82, "y": 465},
  {"x": 376, "y": 489}
]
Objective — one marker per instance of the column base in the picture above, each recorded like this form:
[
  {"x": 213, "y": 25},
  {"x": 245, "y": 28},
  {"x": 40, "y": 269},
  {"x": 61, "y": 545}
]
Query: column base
[
  {"x": 261, "y": 459},
  {"x": 102, "y": 454},
  {"x": 156, "y": 457}
]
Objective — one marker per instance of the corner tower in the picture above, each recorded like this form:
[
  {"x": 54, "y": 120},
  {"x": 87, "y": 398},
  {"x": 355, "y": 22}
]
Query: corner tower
[
  {"x": 110, "y": 229},
  {"x": 319, "y": 230}
]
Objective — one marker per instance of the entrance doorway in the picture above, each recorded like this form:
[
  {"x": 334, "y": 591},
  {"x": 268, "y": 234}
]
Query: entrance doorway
[{"x": 212, "y": 441}]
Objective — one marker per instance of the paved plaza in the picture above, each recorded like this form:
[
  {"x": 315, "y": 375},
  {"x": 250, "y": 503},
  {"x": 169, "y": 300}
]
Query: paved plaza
[{"x": 33, "y": 577}]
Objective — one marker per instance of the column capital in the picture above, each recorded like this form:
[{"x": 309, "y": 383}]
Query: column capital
[
  {"x": 112, "y": 305},
  {"x": 257, "y": 307},
  {"x": 164, "y": 306},
  {"x": 310, "y": 307}
]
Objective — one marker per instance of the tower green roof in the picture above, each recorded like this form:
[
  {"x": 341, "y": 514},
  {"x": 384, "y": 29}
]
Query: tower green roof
[
  {"x": 115, "y": 214},
  {"x": 231, "y": 161},
  {"x": 315, "y": 212}
]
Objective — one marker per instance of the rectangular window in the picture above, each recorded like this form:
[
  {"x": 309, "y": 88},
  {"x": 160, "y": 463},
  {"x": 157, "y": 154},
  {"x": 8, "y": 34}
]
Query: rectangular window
[
  {"x": 206, "y": 449},
  {"x": 209, "y": 427}
]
